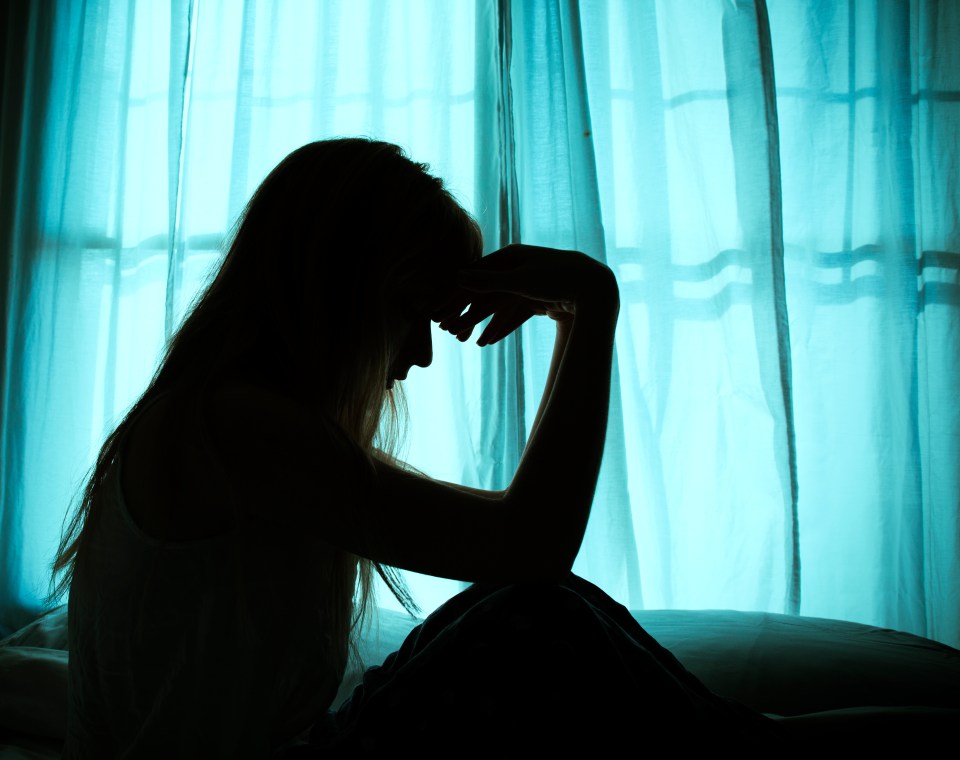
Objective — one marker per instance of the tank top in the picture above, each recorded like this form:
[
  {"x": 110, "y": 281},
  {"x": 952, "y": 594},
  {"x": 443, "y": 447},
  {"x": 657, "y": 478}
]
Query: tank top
[{"x": 202, "y": 648}]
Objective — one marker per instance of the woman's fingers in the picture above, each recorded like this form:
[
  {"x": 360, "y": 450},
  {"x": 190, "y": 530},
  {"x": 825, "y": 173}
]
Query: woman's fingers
[
  {"x": 503, "y": 323},
  {"x": 451, "y": 307},
  {"x": 463, "y": 324},
  {"x": 462, "y": 312},
  {"x": 508, "y": 287},
  {"x": 507, "y": 313}
]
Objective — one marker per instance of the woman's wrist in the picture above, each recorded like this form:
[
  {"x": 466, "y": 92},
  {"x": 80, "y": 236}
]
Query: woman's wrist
[{"x": 600, "y": 295}]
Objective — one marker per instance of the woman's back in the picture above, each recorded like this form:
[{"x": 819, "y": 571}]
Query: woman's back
[
  {"x": 166, "y": 476},
  {"x": 183, "y": 620}
]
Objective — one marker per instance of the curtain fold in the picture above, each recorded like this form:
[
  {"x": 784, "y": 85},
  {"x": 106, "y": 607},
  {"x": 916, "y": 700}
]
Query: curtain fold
[
  {"x": 774, "y": 184},
  {"x": 754, "y": 134},
  {"x": 26, "y": 74},
  {"x": 937, "y": 182}
]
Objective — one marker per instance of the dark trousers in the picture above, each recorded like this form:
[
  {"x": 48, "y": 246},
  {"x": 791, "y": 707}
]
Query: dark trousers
[{"x": 533, "y": 668}]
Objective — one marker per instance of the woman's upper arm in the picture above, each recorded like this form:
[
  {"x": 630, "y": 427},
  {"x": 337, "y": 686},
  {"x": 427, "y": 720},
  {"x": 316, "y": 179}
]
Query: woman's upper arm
[{"x": 302, "y": 471}]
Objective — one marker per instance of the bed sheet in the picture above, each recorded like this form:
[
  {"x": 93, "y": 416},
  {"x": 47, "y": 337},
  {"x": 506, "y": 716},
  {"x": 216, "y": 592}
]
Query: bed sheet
[{"x": 824, "y": 675}]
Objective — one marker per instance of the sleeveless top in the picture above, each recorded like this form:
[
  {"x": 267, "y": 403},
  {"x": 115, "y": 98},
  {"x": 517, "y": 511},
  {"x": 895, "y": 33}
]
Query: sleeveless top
[{"x": 211, "y": 647}]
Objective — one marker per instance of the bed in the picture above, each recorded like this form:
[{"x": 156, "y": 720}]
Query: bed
[{"x": 832, "y": 679}]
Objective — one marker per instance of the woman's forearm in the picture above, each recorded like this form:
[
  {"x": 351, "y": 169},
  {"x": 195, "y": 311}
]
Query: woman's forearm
[
  {"x": 555, "y": 482},
  {"x": 559, "y": 346}
]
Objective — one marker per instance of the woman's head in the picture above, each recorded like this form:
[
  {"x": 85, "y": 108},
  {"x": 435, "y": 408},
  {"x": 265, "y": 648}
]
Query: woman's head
[{"x": 341, "y": 240}]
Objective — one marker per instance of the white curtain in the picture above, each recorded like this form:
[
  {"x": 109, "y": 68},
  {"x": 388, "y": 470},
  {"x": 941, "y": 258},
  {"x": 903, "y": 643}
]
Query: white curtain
[{"x": 775, "y": 186}]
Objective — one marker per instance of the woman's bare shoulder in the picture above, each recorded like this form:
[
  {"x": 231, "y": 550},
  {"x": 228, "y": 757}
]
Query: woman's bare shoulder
[
  {"x": 187, "y": 468},
  {"x": 167, "y": 489},
  {"x": 263, "y": 422},
  {"x": 278, "y": 449}
]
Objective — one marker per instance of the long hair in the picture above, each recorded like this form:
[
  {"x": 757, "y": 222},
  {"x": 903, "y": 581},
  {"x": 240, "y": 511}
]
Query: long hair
[{"x": 294, "y": 304}]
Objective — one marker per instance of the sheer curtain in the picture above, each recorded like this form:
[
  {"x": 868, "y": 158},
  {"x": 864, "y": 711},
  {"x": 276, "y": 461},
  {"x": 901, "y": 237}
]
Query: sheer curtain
[{"x": 775, "y": 187}]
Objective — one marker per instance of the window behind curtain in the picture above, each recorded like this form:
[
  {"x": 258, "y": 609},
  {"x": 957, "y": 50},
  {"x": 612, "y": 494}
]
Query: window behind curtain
[{"x": 777, "y": 197}]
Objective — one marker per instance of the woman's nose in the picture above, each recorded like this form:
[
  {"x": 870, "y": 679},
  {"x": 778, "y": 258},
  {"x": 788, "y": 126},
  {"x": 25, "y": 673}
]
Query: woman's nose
[{"x": 420, "y": 344}]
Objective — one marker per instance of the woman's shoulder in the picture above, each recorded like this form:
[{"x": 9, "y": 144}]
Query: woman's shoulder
[
  {"x": 165, "y": 474},
  {"x": 252, "y": 420},
  {"x": 189, "y": 461}
]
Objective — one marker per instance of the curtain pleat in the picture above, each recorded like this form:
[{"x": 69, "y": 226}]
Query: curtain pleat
[
  {"x": 25, "y": 77},
  {"x": 754, "y": 132},
  {"x": 502, "y": 427},
  {"x": 934, "y": 26},
  {"x": 182, "y": 20}
]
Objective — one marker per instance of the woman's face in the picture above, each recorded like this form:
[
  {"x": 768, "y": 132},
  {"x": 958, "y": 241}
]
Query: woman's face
[
  {"x": 412, "y": 295},
  {"x": 408, "y": 306},
  {"x": 410, "y": 338}
]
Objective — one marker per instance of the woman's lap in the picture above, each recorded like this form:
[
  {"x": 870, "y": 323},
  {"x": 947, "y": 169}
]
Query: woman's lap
[{"x": 533, "y": 667}]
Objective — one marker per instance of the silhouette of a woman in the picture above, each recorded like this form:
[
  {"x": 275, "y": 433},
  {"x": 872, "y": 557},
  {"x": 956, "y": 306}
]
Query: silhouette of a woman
[{"x": 224, "y": 545}]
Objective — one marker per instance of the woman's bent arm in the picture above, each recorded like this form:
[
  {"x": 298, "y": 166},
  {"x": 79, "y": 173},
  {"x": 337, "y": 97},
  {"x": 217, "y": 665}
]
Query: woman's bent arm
[
  {"x": 298, "y": 468},
  {"x": 561, "y": 462}
]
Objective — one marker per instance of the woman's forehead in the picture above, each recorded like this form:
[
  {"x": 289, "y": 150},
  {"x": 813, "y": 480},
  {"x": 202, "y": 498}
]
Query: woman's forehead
[
  {"x": 422, "y": 285},
  {"x": 427, "y": 273},
  {"x": 428, "y": 269}
]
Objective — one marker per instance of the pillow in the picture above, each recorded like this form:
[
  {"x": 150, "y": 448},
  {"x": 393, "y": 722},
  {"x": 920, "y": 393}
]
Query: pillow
[
  {"x": 49, "y": 631},
  {"x": 792, "y": 665},
  {"x": 34, "y": 691},
  {"x": 33, "y": 674}
]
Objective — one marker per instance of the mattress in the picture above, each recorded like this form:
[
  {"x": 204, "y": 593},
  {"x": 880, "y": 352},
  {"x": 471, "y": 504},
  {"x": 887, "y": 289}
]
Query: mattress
[{"x": 825, "y": 677}]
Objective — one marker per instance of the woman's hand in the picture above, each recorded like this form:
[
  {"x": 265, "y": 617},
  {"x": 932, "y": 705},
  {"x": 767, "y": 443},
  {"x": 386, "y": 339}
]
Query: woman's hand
[{"x": 518, "y": 282}]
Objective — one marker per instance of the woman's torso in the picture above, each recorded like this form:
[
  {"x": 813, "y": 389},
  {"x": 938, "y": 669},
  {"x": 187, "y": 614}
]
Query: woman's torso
[{"x": 192, "y": 630}]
